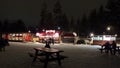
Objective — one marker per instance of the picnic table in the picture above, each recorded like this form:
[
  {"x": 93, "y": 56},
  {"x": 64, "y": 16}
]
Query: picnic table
[
  {"x": 103, "y": 49},
  {"x": 48, "y": 54}
]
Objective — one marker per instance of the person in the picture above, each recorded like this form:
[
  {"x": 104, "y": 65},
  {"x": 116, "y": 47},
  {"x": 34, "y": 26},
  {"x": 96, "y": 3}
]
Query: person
[
  {"x": 47, "y": 44},
  {"x": 107, "y": 47},
  {"x": 114, "y": 47},
  {"x": 3, "y": 43},
  {"x": 52, "y": 41}
]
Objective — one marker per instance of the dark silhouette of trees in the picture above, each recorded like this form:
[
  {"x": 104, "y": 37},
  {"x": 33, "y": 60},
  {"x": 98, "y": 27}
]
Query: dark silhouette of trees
[
  {"x": 0, "y": 29},
  {"x": 5, "y": 25},
  {"x": 105, "y": 16},
  {"x": 50, "y": 22},
  {"x": 43, "y": 20},
  {"x": 58, "y": 15},
  {"x": 65, "y": 23},
  {"x": 0, "y": 26},
  {"x": 21, "y": 26},
  {"x": 54, "y": 19},
  {"x": 77, "y": 26},
  {"x": 71, "y": 24},
  {"x": 84, "y": 26},
  {"x": 113, "y": 7},
  {"x": 15, "y": 26},
  {"x": 96, "y": 22},
  {"x": 60, "y": 18},
  {"x": 92, "y": 20},
  {"x": 57, "y": 8}
]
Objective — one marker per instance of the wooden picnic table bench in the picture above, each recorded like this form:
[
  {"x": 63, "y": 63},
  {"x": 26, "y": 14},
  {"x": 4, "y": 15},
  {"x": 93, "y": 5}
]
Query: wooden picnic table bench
[
  {"x": 103, "y": 49},
  {"x": 47, "y": 54}
]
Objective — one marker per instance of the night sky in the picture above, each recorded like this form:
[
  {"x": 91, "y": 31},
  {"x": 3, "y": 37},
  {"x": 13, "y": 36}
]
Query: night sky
[{"x": 29, "y": 10}]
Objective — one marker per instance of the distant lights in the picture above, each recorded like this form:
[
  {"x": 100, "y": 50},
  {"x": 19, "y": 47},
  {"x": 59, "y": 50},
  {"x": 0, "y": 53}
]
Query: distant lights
[
  {"x": 37, "y": 34},
  {"x": 29, "y": 31},
  {"x": 108, "y": 28},
  {"x": 58, "y": 28},
  {"x": 91, "y": 34},
  {"x": 74, "y": 34},
  {"x": 43, "y": 30},
  {"x": 116, "y": 35}
]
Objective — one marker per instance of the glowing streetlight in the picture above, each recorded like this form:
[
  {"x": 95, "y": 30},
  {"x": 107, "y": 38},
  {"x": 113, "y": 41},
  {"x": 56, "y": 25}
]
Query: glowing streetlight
[
  {"x": 43, "y": 30},
  {"x": 91, "y": 34},
  {"x": 108, "y": 28},
  {"x": 29, "y": 31},
  {"x": 115, "y": 35},
  {"x": 58, "y": 28}
]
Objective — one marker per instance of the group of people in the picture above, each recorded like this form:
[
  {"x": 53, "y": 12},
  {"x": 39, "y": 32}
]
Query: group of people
[{"x": 110, "y": 47}]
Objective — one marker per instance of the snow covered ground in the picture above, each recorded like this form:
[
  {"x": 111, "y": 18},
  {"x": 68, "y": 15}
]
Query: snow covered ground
[{"x": 79, "y": 56}]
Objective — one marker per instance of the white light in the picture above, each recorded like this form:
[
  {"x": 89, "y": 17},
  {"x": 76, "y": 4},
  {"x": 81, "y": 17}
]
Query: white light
[
  {"x": 91, "y": 34},
  {"x": 43, "y": 30},
  {"x": 74, "y": 34},
  {"x": 108, "y": 28},
  {"x": 58, "y": 28},
  {"x": 53, "y": 31},
  {"x": 56, "y": 35},
  {"x": 20, "y": 34},
  {"x": 37, "y": 34},
  {"x": 107, "y": 38},
  {"x": 115, "y": 35},
  {"x": 29, "y": 31},
  {"x": 13, "y": 35}
]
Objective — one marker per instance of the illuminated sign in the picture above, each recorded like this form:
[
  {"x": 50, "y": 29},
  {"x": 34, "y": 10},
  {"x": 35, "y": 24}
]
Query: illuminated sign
[{"x": 104, "y": 37}]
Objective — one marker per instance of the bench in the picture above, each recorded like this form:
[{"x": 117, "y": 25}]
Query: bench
[
  {"x": 47, "y": 54},
  {"x": 103, "y": 49},
  {"x": 42, "y": 58}
]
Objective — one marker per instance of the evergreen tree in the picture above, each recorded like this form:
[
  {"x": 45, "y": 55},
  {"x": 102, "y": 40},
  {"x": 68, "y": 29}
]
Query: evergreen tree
[
  {"x": 0, "y": 29},
  {"x": 50, "y": 23},
  {"x": 21, "y": 26},
  {"x": 43, "y": 21},
  {"x": 84, "y": 26},
  {"x": 0, "y": 26},
  {"x": 102, "y": 18},
  {"x": 57, "y": 8},
  {"x": 78, "y": 26},
  {"x": 65, "y": 23},
  {"x": 93, "y": 20},
  {"x": 114, "y": 14},
  {"x": 71, "y": 25},
  {"x": 58, "y": 14},
  {"x": 5, "y": 26}
]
